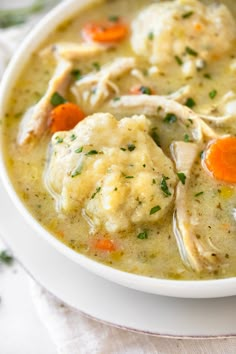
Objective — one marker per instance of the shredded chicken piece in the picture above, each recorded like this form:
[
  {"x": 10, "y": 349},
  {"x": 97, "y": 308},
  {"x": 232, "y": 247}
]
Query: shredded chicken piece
[
  {"x": 149, "y": 105},
  {"x": 99, "y": 84},
  {"x": 73, "y": 51},
  {"x": 34, "y": 122},
  {"x": 194, "y": 253}
]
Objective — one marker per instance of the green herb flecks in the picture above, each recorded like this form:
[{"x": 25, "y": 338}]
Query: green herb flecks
[
  {"x": 186, "y": 138},
  {"x": 113, "y": 18},
  {"x": 6, "y": 257},
  {"x": 179, "y": 61},
  {"x": 77, "y": 172},
  {"x": 190, "y": 102},
  {"x": 131, "y": 147},
  {"x": 151, "y": 36},
  {"x": 187, "y": 14},
  {"x": 77, "y": 74},
  {"x": 164, "y": 186},
  {"x": 79, "y": 150},
  {"x": 57, "y": 99},
  {"x": 182, "y": 177},
  {"x": 143, "y": 235},
  {"x": 59, "y": 140},
  {"x": 145, "y": 90},
  {"x": 170, "y": 118},
  {"x": 129, "y": 177},
  {"x": 198, "y": 194},
  {"x": 207, "y": 76},
  {"x": 73, "y": 137},
  {"x": 91, "y": 152},
  {"x": 212, "y": 94},
  {"x": 155, "y": 209},
  {"x": 95, "y": 193},
  {"x": 96, "y": 66},
  {"x": 191, "y": 51}
]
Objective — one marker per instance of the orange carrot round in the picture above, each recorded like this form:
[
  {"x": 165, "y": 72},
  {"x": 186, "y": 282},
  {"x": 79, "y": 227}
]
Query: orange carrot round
[
  {"x": 104, "y": 244},
  {"x": 65, "y": 117},
  {"x": 220, "y": 159},
  {"x": 105, "y": 33}
]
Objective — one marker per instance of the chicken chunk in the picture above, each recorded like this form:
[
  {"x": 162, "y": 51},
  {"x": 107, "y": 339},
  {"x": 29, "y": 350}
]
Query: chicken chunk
[
  {"x": 34, "y": 122},
  {"x": 195, "y": 253},
  {"x": 184, "y": 29},
  {"x": 112, "y": 172},
  {"x": 97, "y": 86}
]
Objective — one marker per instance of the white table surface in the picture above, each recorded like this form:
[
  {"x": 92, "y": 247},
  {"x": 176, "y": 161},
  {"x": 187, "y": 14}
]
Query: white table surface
[{"x": 21, "y": 331}]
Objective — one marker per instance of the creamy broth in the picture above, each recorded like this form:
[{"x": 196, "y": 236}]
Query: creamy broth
[{"x": 146, "y": 248}]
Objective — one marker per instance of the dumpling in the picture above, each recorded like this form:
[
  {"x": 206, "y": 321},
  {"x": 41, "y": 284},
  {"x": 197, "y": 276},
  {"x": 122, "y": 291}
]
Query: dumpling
[
  {"x": 183, "y": 30},
  {"x": 112, "y": 172}
]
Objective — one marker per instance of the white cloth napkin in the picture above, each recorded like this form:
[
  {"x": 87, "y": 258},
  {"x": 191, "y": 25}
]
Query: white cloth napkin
[{"x": 73, "y": 332}]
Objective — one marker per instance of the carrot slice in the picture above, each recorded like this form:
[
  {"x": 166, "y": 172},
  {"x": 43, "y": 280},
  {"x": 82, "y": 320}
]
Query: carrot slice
[
  {"x": 220, "y": 159},
  {"x": 105, "y": 33},
  {"x": 104, "y": 245},
  {"x": 65, "y": 117}
]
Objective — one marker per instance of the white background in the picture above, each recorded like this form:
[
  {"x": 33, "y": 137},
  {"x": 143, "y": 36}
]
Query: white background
[{"x": 21, "y": 331}]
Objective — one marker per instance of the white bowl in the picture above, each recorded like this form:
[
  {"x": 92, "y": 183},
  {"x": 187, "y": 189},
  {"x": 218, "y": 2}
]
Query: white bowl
[{"x": 185, "y": 289}]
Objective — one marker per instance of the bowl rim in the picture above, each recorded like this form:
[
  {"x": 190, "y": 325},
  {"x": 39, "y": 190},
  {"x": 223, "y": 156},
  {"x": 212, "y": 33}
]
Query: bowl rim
[{"x": 175, "y": 288}]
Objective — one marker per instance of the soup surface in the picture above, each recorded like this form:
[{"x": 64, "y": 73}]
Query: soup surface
[{"x": 120, "y": 136}]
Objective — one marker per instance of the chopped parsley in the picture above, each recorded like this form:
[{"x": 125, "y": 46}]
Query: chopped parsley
[
  {"x": 77, "y": 74},
  {"x": 129, "y": 177},
  {"x": 151, "y": 36},
  {"x": 59, "y": 140},
  {"x": 179, "y": 61},
  {"x": 143, "y": 235},
  {"x": 207, "y": 76},
  {"x": 77, "y": 172},
  {"x": 97, "y": 191},
  {"x": 91, "y": 152},
  {"x": 182, "y": 177},
  {"x": 155, "y": 209},
  {"x": 212, "y": 94},
  {"x": 191, "y": 51},
  {"x": 187, "y": 14},
  {"x": 79, "y": 150},
  {"x": 113, "y": 18},
  {"x": 190, "y": 102},
  {"x": 131, "y": 147},
  {"x": 198, "y": 194},
  {"x": 170, "y": 118},
  {"x": 116, "y": 99},
  {"x": 145, "y": 90},
  {"x": 186, "y": 138},
  {"x": 73, "y": 137},
  {"x": 96, "y": 66},
  {"x": 6, "y": 257},
  {"x": 123, "y": 149},
  {"x": 164, "y": 186},
  {"x": 57, "y": 99}
]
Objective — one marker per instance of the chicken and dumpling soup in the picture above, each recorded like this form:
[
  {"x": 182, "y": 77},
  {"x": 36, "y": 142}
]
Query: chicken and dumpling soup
[{"x": 120, "y": 136}]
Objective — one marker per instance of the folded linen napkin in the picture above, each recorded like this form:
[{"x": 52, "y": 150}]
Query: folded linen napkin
[{"x": 72, "y": 331}]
